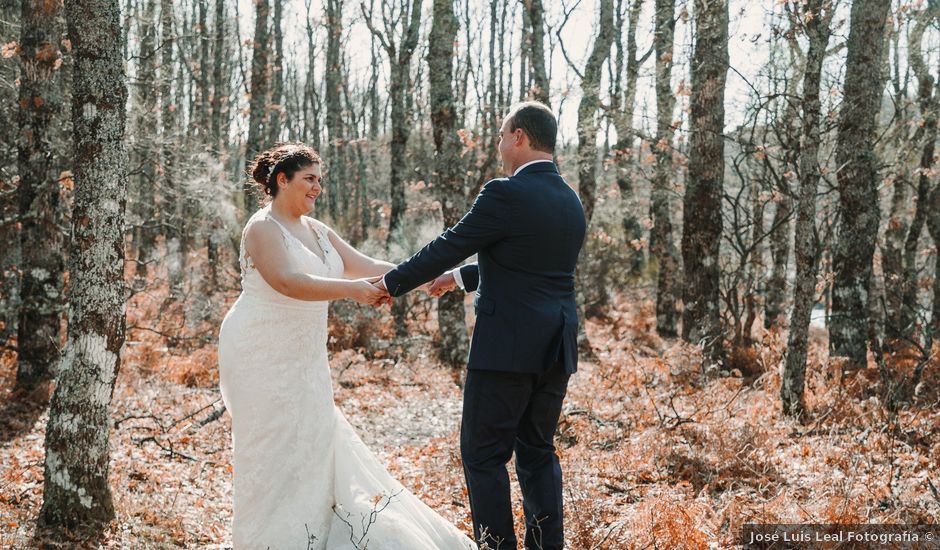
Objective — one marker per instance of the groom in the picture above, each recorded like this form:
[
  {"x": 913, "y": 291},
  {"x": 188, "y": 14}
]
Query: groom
[{"x": 527, "y": 230}]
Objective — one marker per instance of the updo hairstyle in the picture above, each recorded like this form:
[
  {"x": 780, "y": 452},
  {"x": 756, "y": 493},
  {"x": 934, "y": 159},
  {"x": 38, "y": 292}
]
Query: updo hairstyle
[{"x": 283, "y": 157}]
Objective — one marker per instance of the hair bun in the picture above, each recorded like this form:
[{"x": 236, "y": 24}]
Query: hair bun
[{"x": 283, "y": 157}]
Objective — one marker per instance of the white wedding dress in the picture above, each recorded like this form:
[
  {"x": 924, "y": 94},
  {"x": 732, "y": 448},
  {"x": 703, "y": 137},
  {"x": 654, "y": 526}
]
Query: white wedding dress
[{"x": 303, "y": 478}]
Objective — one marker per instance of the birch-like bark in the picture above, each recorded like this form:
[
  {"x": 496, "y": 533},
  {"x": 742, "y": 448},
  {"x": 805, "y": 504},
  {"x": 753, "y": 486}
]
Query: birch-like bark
[{"x": 76, "y": 495}]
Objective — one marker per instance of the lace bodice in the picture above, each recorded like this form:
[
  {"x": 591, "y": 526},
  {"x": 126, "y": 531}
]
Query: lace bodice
[{"x": 256, "y": 289}]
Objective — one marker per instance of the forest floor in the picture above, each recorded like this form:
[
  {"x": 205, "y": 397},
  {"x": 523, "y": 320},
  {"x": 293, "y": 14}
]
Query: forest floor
[{"x": 654, "y": 454}]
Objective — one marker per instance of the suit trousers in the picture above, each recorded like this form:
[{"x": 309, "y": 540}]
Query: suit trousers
[{"x": 506, "y": 413}]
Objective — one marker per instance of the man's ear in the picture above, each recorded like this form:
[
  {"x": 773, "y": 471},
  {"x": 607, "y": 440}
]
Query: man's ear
[{"x": 520, "y": 135}]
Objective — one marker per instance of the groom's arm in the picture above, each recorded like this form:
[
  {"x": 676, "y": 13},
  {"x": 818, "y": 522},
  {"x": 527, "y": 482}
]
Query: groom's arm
[{"x": 485, "y": 223}]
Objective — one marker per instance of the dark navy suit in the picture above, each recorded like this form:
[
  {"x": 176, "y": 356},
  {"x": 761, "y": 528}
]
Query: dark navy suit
[{"x": 527, "y": 231}]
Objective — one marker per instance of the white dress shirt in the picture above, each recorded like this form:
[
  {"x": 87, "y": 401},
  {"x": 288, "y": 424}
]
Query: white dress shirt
[{"x": 530, "y": 163}]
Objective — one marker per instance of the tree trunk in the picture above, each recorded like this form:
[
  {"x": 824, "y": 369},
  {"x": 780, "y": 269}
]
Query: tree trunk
[
  {"x": 858, "y": 189},
  {"x": 662, "y": 244},
  {"x": 277, "y": 91},
  {"x": 806, "y": 246},
  {"x": 400, "y": 99},
  {"x": 171, "y": 217},
  {"x": 39, "y": 165},
  {"x": 334, "y": 106},
  {"x": 892, "y": 256},
  {"x": 933, "y": 226},
  {"x": 9, "y": 199},
  {"x": 587, "y": 109},
  {"x": 929, "y": 101},
  {"x": 623, "y": 104},
  {"x": 788, "y": 133},
  {"x": 76, "y": 495},
  {"x": 258, "y": 103},
  {"x": 701, "y": 228},
  {"x": 220, "y": 90},
  {"x": 311, "y": 117},
  {"x": 143, "y": 154},
  {"x": 892, "y": 252},
  {"x": 775, "y": 306},
  {"x": 202, "y": 114},
  {"x": 447, "y": 178},
  {"x": 535, "y": 46},
  {"x": 399, "y": 54}
]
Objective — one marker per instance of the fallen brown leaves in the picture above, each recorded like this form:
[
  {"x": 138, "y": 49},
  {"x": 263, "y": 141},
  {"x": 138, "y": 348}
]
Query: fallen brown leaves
[{"x": 654, "y": 454}]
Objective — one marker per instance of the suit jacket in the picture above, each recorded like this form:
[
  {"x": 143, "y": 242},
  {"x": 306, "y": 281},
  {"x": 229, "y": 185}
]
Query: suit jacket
[{"x": 527, "y": 231}]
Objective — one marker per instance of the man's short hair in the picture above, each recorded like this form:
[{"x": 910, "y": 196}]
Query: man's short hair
[{"x": 537, "y": 121}]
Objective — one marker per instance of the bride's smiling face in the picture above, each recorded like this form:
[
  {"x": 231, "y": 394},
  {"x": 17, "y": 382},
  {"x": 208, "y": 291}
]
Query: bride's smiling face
[{"x": 302, "y": 190}]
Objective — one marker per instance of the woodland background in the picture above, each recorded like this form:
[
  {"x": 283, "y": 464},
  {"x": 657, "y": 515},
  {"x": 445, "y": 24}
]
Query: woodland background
[{"x": 759, "y": 285}]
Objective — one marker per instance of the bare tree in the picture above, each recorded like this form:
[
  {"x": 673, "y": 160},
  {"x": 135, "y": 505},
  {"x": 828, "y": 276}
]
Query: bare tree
[
  {"x": 9, "y": 192},
  {"x": 173, "y": 221},
  {"x": 76, "y": 495},
  {"x": 144, "y": 147},
  {"x": 220, "y": 91},
  {"x": 401, "y": 23},
  {"x": 202, "y": 117},
  {"x": 701, "y": 228},
  {"x": 277, "y": 89},
  {"x": 662, "y": 243},
  {"x": 786, "y": 131},
  {"x": 40, "y": 166},
  {"x": 590, "y": 103},
  {"x": 858, "y": 193},
  {"x": 905, "y": 147},
  {"x": 399, "y": 46},
  {"x": 933, "y": 225},
  {"x": 622, "y": 108},
  {"x": 258, "y": 103},
  {"x": 448, "y": 180},
  {"x": 929, "y": 103},
  {"x": 335, "y": 84},
  {"x": 816, "y": 17},
  {"x": 534, "y": 45}
]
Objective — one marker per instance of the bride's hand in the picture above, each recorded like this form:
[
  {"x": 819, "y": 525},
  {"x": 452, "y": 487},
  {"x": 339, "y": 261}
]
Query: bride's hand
[{"x": 364, "y": 292}]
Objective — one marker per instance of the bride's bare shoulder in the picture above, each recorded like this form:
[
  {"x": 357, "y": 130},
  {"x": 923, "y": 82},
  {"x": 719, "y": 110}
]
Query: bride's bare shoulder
[{"x": 261, "y": 229}]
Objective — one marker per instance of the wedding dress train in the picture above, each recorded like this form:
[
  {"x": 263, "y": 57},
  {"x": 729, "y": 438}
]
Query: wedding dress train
[{"x": 302, "y": 477}]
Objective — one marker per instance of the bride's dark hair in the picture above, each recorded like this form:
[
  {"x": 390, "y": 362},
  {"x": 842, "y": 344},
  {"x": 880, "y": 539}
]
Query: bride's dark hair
[{"x": 283, "y": 157}]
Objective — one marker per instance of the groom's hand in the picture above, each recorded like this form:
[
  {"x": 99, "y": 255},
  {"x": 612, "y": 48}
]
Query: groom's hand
[
  {"x": 379, "y": 283},
  {"x": 442, "y": 285}
]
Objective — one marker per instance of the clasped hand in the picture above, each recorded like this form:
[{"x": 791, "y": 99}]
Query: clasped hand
[{"x": 378, "y": 295}]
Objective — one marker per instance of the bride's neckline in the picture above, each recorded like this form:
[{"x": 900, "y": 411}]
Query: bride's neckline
[{"x": 316, "y": 235}]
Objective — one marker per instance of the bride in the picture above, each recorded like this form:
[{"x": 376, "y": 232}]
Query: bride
[{"x": 303, "y": 478}]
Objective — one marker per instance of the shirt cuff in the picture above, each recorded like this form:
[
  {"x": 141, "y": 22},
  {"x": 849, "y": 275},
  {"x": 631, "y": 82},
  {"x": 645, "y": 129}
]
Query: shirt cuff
[{"x": 458, "y": 278}]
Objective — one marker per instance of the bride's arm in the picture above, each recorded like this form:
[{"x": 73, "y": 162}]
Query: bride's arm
[
  {"x": 358, "y": 265},
  {"x": 265, "y": 245}
]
